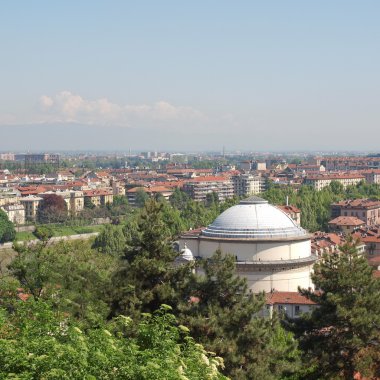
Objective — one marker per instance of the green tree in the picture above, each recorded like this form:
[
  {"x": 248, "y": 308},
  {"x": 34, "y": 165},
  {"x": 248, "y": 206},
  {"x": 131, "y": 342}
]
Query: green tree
[
  {"x": 38, "y": 343},
  {"x": 223, "y": 315},
  {"x": 52, "y": 209},
  {"x": 75, "y": 277},
  {"x": 146, "y": 277},
  {"x": 7, "y": 229},
  {"x": 179, "y": 199},
  {"x": 110, "y": 241},
  {"x": 43, "y": 233},
  {"x": 88, "y": 204},
  {"x": 141, "y": 198},
  {"x": 342, "y": 335}
]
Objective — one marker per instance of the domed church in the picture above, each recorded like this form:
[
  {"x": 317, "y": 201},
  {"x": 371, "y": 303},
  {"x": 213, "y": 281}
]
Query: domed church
[{"x": 271, "y": 250}]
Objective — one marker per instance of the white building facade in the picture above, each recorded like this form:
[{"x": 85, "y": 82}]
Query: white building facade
[{"x": 271, "y": 250}]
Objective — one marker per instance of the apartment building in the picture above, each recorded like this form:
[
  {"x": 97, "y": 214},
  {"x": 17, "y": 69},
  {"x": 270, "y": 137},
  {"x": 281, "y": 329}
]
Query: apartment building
[
  {"x": 293, "y": 211},
  {"x": 321, "y": 181},
  {"x": 15, "y": 213},
  {"x": 247, "y": 184},
  {"x": 349, "y": 163},
  {"x": 367, "y": 210},
  {"x": 31, "y": 203},
  {"x": 198, "y": 188},
  {"x": 99, "y": 197},
  {"x": 166, "y": 192},
  {"x": 372, "y": 176}
]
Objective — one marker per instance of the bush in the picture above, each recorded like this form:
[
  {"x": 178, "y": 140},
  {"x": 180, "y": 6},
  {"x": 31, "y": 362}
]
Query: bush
[{"x": 43, "y": 233}]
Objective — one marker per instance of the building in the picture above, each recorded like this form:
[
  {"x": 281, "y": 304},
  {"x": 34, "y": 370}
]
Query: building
[
  {"x": 31, "y": 203},
  {"x": 74, "y": 200},
  {"x": 318, "y": 182},
  {"x": 198, "y": 188},
  {"x": 293, "y": 304},
  {"x": 245, "y": 165},
  {"x": 367, "y": 210},
  {"x": 99, "y": 197},
  {"x": 370, "y": 236},
  {"x": 372, "y": 176},
  {"x": 349, "y": 163},
  {"x": 247, "y": 184},
  {"x": 32, "y": 160},
  {"x": 259, "y": 166},
  {"x": 15, "y": 212},
  {"x": 293, "y": 211},
  {"x": 166, "y": 192},
  {"x": 327, "y": 243},
  {"x": 345, "y": 224},
  {"x": 272, "y": 251},
  {"x": 7, "y": 156}
]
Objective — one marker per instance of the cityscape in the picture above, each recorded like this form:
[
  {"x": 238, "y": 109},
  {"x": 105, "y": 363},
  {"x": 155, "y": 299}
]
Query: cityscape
[{"x": 190, "y": 191}]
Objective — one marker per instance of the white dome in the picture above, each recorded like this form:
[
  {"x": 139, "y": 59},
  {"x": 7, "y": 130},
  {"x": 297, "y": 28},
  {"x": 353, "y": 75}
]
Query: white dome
[
  {"x": 186, "y": 254},
  {"x": 253, "y": 218}
]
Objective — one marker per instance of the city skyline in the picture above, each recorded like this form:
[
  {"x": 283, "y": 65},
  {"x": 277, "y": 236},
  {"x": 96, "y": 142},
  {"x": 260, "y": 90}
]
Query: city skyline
[{"x": 169, "y": 76}]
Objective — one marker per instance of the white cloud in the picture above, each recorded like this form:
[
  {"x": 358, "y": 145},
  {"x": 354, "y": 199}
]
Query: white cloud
[{"x": 68, "y": 107}]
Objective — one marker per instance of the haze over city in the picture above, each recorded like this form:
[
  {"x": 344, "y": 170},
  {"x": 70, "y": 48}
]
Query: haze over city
[{"x": 189, "y": 75}]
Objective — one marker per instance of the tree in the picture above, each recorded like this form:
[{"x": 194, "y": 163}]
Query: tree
[
  {"x": 212, "y": 199},
  {"x": 146, "y": 277},
  {"x": 52, "y": 209},
  {"x": 75, "y": 277},
  {"x": 36, "y": 342},
  {"x": 110, "y": 241},
  {"x": 336, "y": 187},
  {"x": 7, "y": 229},
  {"x": 342, "y": 335},
  {"x": 179, "y": 199},
  {"x": 141, "y": 198},
  {"x": 223, "y": 315},
  {"x": 88, "y": 204}
]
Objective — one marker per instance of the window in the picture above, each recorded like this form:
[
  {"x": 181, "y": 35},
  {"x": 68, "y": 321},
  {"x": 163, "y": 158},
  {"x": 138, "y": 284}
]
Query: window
[{"x": 297, "y": 310}]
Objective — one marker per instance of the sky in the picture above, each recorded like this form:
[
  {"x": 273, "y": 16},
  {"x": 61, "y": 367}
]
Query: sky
[{"x": 189, "y": 75}]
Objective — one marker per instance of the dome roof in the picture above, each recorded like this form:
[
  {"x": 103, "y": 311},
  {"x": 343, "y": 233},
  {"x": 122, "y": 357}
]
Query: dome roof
[
  {"x": 253, "y": 218},
  {"x": 186, "y": 254}
]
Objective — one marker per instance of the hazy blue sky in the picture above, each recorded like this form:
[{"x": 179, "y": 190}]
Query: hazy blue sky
[{"x": 188, "y": 75}]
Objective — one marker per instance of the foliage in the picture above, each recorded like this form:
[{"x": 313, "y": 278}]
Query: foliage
[
  {"x": 342, "y": 336},
  {"x": 7, "y": 229},
  {"x": 141, "y": 198},
  {"x": 110, "y": 241},
  {"x": 43, "y": 233},
  {"x": 38, "y": 343},
  {"x": 315, "y": 205},
  {"x": 70, "y": 273},
  {"x": 146, "y": 277},
  {"x": 52, "y": 209},
  {"x": 88, "y": 203},
  {"x": 221, "y": 315},
  {"x": 179, "y": 199}
]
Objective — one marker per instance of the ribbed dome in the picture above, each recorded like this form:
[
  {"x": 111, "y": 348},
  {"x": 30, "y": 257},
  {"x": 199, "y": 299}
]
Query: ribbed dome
[{"x": 253, "y": 218}]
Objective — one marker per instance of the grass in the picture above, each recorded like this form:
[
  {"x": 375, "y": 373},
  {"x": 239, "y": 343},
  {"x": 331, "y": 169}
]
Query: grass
[
  {"x": 60, "y": 230},
  {"x": 25, "y": 235}
]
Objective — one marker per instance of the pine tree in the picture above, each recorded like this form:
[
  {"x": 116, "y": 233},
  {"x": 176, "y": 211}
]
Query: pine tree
[
  {"x": 223, "y": 315},
  {"x": 110, "y": 241},
  {"x": 342, "y": 336},
  {"x": 147, "y": 277}
]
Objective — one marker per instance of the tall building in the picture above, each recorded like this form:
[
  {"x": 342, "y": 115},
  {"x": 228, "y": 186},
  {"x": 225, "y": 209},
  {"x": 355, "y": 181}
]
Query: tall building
[{"x": 248, "y": 184}]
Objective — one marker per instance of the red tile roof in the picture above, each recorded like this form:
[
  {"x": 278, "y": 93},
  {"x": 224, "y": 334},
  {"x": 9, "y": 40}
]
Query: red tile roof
[
  {"x": 287, "y": 298},
  {"x": 347, "y": 221}
]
